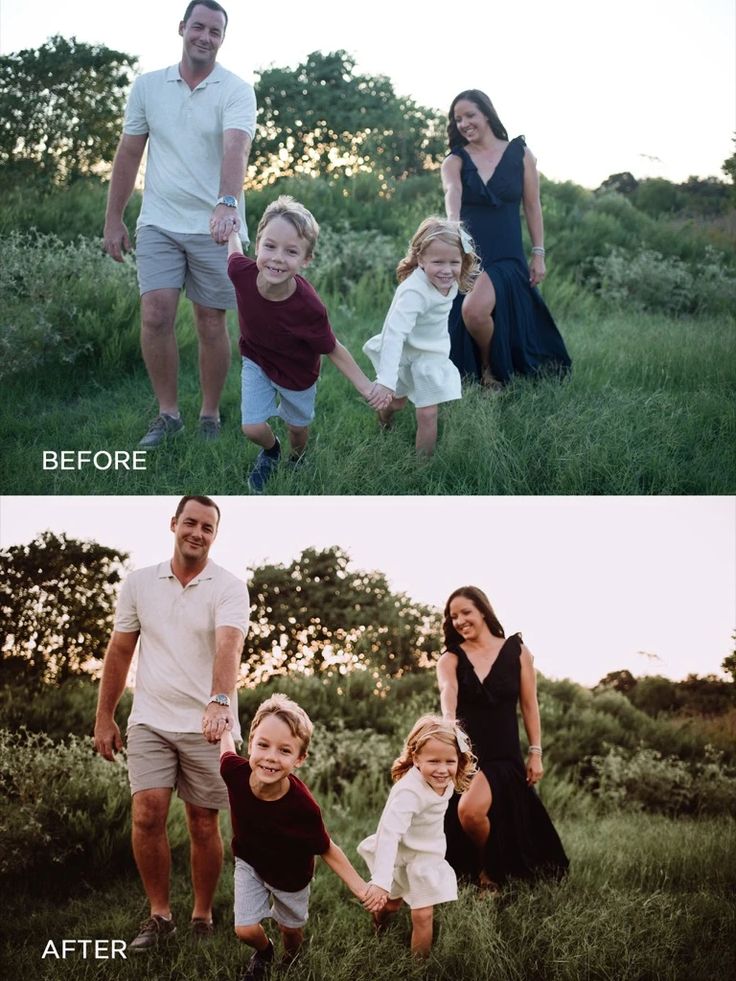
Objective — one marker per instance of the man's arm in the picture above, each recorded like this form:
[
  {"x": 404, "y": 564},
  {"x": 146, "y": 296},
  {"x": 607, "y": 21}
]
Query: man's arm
[
  {"x": 122, "y": 181},
  {"x": 115, "y": 667},
  {"x": 235, "y": 150},
  {"x": 228, "y": 651}
]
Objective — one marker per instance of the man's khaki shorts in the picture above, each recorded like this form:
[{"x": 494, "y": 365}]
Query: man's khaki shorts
[
  {"x": 170, "y": 260},
  {"x": 184, "y": 760}
]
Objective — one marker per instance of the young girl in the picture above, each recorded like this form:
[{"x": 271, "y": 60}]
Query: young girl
[
  {"x": 406, "y": 855},
  {"x": 411, "y": 355}
]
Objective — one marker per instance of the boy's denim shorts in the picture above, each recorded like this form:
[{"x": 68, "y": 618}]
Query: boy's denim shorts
[
  {"x": 255, "y": 900},
  {"x": 262, "y": 399}
]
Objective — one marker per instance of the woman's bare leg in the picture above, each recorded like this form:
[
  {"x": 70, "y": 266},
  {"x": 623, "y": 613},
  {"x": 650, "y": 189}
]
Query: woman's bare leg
[{"x": 478, "y": 308}]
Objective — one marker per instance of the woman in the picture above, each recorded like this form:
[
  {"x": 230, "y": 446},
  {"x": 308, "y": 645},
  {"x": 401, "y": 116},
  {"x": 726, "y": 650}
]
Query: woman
[
  {"x": 503, "y": 828},
  {"x": 503, "y": 326}
]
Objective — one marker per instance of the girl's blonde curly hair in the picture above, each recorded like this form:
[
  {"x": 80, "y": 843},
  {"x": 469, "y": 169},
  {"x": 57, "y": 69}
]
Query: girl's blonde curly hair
[
  {"x": 435, "y": 727},
  {"x": 433, "y": 229}
]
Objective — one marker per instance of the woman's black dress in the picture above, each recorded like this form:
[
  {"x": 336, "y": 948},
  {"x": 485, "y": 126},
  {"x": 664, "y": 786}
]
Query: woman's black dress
[
  {"x": 525, "y": 337},
  {"x": 523, "y": 841}
]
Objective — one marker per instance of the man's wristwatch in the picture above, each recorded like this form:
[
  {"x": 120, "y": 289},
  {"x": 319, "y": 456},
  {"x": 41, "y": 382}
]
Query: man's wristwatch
[
  {"x": 220, "y": 700},
  {"x": 228, "y": 200}
]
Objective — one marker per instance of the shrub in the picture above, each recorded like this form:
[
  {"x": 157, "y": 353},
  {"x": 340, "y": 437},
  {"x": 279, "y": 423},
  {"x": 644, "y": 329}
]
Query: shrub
[
  {"x": 648, "y": 781},
  {"x": 61, "y": 806},
  {"x": 648, "y": 280},
  {"x": 62, "y": 303}
]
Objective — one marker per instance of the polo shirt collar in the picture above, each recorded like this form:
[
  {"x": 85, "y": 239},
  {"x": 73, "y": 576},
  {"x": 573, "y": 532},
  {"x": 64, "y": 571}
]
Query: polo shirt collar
[
  {"x": 216, "y": 75},
  {"x": 163, "y": 571}
]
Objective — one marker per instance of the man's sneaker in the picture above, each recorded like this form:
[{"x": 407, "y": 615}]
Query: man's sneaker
[
  {"x": 153, "y": 930},
  {"x": 163, "y": 427},
  {"x": 259, "y": 964},
  {"x": 209, "y": 427},
  {"x": 201, "y": 929},
  {"x": 263, "y": 468}
]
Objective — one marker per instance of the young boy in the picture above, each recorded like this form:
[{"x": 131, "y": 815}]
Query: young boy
[
  {"x": 284, "y": 331},
  {"x": 277, "y": 831}
]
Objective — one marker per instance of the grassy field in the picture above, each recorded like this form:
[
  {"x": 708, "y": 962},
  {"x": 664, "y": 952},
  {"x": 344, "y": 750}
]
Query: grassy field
[
  {"x": 647, "y": 898},
  {"x": 648, "y": 409}
]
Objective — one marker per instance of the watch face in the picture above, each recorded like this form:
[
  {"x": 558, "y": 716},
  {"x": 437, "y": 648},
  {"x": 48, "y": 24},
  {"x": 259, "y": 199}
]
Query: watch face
[
  {"x": 229, "y": 200},
  {"x": 220, "y": 699}
]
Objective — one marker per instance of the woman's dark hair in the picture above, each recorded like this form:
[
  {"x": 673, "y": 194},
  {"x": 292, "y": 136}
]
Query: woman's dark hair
[
  {"x": 481, "y": 100},
  {"x": 481, "y": 602}
]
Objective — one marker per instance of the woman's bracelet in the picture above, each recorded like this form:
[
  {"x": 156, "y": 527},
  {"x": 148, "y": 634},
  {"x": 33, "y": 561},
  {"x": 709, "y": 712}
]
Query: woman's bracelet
[
  {"x": 538, "y": 250},
  {"x": 536, "y": 749}
]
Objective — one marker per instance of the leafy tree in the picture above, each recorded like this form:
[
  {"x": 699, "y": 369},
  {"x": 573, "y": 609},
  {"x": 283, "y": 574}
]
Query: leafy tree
[
  {"x": 323, "y": 118},
  {"x": 622, "y": 681},
  {"x": 624, "y": 183},
  {"x": 57, "y": 601},
  {"x": 61, "y": 107},
  {"x": 317, "y": 615}
]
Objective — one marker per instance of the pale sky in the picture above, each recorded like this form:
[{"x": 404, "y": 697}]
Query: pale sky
[
  {"x": 591, "y": 582},
  {"x": 597, "y": 88}
]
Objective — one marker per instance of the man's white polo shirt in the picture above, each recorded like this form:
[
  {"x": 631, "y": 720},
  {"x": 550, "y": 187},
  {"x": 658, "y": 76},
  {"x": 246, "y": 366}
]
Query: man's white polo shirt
[
  {"x": 185, "y": 129},
  {"x": 176, "y": 649}
]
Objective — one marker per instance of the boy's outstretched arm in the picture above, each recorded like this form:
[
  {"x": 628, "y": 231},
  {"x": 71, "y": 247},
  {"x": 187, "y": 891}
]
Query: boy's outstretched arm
[
  {"x": 338, "y": 861},
  {"x": 227, "y": 743},
  {"x": 234, "y": 244},
  {"x": 345, "y": 363}
]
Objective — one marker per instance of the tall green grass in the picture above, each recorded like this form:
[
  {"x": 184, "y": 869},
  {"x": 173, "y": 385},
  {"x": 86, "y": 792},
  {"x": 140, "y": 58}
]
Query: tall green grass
[{"x": 648, "y": 409}]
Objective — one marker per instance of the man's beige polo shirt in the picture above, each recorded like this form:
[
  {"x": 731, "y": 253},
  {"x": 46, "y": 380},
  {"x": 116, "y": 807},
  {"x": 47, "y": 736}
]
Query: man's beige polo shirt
[
  {"x": 185, "y": 128},
  {"x": 176, "y": 648}
]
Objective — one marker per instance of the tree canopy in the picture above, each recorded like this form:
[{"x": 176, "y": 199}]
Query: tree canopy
[
  {"x": 323, "y": 118},
  {"x": 318, "y": 615},
  {"x": 61, "y": 108},
  {"x": 57, "y": 601}
]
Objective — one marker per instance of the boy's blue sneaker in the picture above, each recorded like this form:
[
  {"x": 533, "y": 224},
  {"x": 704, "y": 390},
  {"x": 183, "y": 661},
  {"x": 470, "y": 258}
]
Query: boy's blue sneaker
[{"x": 263, "y": 468}]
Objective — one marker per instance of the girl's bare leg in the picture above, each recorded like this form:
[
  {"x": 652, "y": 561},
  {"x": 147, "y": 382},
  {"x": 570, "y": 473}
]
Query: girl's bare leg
[
  {"x": 386, "y": 416},
  {"x": 426, "y": 430},
  {"x": 421, "y": 931}
]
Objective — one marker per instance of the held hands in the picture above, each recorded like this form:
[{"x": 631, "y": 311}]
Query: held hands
[
  {"x": 215, "y": 721},
  {"x": 379, "y": 397},
  {"x": 537, "y": 270},
  {"x": 224, "y": 220},
  {"x": 375, "y": 898}
]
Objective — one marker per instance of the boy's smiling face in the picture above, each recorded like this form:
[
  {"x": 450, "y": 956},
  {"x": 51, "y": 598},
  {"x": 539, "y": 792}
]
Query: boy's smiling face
[
  {"x": 273, "y": 752},
  {"x": 281, "y": 253}
]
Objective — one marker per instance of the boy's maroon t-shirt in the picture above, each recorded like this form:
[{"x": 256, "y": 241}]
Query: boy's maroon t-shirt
[
  {"x": 278, "y": 838},
  {"x": 286, "y": 338}
]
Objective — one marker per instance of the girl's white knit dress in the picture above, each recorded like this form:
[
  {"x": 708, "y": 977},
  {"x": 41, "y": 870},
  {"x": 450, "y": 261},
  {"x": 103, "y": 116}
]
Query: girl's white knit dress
[
  {"x": 406, "y": 855},
  {"x": 411, "y": 355}
]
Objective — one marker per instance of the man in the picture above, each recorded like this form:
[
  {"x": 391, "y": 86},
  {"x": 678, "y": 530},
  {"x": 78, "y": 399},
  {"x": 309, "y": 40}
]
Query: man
[
  {"x": 198, "y": 121},
  {"x": 189, "y": 618}
]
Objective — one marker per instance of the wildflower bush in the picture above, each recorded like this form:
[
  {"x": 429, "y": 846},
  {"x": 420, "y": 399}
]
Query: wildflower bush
[
  {"x": 62, "y": 303},
  {"x": 646, "y": 780},
  {"x": 648, "y": 280},
  {"x": 61, "y": 806}
]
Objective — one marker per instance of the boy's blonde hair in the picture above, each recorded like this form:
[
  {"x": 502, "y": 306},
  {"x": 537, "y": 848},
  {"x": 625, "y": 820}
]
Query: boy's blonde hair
[
  {"x": 299, "y": 723},
  {"x": 303, "y": 220},
  {"x": 433, "y": 229},
  {"x": 435, "y": 727}
]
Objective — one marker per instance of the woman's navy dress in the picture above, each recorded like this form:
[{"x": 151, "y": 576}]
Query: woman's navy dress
[
  {"x": 523, "y": 842},
  {"x": 525, "y": 337}
]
